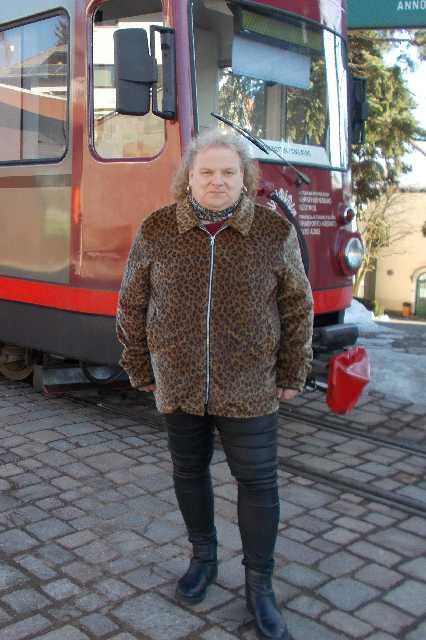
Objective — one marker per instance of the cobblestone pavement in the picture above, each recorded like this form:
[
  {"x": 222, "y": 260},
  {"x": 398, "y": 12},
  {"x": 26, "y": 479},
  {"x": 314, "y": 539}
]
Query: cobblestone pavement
[{"x": 91, "y": 541}]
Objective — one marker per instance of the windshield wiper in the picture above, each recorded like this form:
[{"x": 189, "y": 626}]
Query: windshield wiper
[{"x": 260, "y": 144}]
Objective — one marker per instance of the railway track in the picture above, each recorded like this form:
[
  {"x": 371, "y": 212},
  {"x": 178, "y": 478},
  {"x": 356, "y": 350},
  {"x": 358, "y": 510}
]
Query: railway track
[
  {"x": 328, "y": 425},
  {"x": 137, "y": 408}
]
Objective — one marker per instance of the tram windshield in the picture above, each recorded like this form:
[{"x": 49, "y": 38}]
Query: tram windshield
[{"x": 280, "y": 77}]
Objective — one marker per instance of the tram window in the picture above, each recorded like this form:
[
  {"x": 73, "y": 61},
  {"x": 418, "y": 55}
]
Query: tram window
[
  {"x": 116, "y": 135},
  {"x": 34, "y": 90}
]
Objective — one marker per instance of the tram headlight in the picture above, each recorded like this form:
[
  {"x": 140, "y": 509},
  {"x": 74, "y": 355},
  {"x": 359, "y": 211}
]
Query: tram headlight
[{"x": 353, "y": 254}]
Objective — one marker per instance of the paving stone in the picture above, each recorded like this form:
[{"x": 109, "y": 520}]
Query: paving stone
[
  {"x": 380, "y": 519},
  {"x": 14, "y": 541},
  {"x": 121, "y": 566},
  {"x": 302, "y": 628},
  {"x": 297, "y": 534},
  {"x": 301, "y": 576},
  {"x": 91, "y": 602},
  {"x": 26, "y": 600},
  {"x": 65, "y": 633},
  {"x": 419, "y": 633},
  {"x": 109, "y": 461},
  {"x": 29, "y": 513},
  {"x": 114, "y": 589},
  {"x": 9, "y": 470},
  {"x": 96, "y": 551},
  {"x": 415, "y": 568},
  {"x": 401, "y": 542},
  {"x": 5, "y": 618},
  {"x": 126, "y": 541},
  {"x": 77, "y": 470},
  {"x": 36, "y": 566},
  {"x": 341, "y": 536},
  {"x": 61, "y": 589},
  {"x": 296, "y": 552},
  {"x": 409, "y": 596},
  {"x": 308, "y": 606},
  {"x": 216, "y": 633},
  {"x": 340, "y": 563},
  {"x": 124, "y": 636},
  {"x": 98, "y": 625},
  {"x": 49, "y": 529},
  {"x": 351, "y": 626},
  {"x": 231, "y": 616},
  {"x": 55, "y": 554},
  {"x": 347, "y": 594},
  {"x": 157, "y": 618},
  {"x": 374, "y": 552},
  {"x": 307, "y": 497},
  {"x": 355, "y": 525},
  {"x": 81, "y": 571},
  {"x": 378, "y": 576},
  {"x": 77, "y": 539},
  {"x": 324, "y": 545},
  {"x": 55, "y": 458},
  {"x": 348, "y": 508},
  {"x": 311, "y": 524},
  {"x": 415, "y": 525},
  {"x": 25, "y": 628},
  {"x": 382, "y": 616},
  {"x": 161, "y": 531},
  {"x": 146, "y": 578},
  {"x": 10, "y": 577}
]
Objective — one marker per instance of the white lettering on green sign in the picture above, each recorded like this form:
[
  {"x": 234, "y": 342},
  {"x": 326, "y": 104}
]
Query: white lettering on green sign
[{"x": 412, "y": 5}]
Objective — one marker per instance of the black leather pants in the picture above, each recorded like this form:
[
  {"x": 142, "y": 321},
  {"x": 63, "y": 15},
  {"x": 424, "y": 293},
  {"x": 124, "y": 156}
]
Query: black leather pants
[{"x": 250, "y": 445}]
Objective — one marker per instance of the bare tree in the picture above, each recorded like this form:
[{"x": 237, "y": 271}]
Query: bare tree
[{"x": 383, "y": 223}]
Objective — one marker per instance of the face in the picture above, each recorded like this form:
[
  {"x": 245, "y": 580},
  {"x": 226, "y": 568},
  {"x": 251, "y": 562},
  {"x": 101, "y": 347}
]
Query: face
[{"x": 216, "y": 177}]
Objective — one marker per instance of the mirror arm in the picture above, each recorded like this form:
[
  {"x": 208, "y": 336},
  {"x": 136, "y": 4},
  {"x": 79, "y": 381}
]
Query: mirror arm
[{"x": 168, "y": 50}]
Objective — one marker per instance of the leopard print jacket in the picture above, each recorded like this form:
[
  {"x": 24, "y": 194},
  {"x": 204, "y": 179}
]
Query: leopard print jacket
[{"x": 218, "y": 323}]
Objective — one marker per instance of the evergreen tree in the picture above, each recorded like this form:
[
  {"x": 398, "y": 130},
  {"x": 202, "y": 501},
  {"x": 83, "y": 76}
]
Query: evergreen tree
[{"x": 378, "y": 164}]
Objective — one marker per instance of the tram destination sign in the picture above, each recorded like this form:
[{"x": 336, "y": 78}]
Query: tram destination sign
[{"x": 382, "y": 14}]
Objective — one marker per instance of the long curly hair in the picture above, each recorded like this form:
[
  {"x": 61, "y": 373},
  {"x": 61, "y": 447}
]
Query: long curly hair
[{"x": 216, "y": 138}]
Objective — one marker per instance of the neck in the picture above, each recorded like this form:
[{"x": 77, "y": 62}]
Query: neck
[{"x": 210, "y": 215}]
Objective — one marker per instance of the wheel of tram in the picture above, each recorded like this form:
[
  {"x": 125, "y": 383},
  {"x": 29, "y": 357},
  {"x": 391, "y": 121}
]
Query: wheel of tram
[{"x": 15, "y": 362}]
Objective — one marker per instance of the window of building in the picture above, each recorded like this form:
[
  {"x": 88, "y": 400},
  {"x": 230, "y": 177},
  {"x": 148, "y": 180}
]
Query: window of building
[
  {"x": 34, "y": 90},
  {"x": 116, "y": 135}
]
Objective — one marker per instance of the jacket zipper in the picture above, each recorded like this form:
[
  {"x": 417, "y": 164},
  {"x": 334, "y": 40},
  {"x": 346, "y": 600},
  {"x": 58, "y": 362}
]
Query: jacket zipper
[{"x": 209, "y": 307}]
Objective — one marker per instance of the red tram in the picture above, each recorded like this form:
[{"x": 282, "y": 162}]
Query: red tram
[{"x": 92, "y": 127}]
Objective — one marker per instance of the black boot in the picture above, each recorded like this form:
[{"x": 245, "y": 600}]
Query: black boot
[
  {"x": 260, "y": 598},
  {"x": 202, "y": 571}
]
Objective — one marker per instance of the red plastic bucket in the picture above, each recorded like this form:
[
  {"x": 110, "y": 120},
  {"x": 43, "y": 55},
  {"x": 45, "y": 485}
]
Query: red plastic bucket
[{"x": 348, "y": 374}]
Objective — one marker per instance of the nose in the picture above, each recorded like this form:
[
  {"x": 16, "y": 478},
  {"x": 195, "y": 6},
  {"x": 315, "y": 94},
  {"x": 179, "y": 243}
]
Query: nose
[{"x": 217, "y": 178}]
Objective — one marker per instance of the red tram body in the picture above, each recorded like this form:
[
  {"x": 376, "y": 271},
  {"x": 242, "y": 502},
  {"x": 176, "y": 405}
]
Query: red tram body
[{"x": 77, "y": 177}]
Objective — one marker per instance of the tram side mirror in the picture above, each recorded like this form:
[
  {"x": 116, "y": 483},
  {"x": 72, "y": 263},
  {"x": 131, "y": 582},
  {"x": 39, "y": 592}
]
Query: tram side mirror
[
  {"x": 136, "y": 72},
  {"x": 358, "y": 109}
]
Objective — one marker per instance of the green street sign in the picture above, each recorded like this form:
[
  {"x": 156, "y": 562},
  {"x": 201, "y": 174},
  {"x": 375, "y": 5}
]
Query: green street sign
[{"x": 381, "y": 14}]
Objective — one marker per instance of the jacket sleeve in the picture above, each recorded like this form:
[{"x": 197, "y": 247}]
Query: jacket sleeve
[
  {"x": 295, "y": 306},
  {"x": 131, "y": 315}
]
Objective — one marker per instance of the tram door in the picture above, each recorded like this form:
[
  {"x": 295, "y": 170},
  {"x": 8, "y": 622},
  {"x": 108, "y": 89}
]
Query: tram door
[{"x": 421, "y": 295}]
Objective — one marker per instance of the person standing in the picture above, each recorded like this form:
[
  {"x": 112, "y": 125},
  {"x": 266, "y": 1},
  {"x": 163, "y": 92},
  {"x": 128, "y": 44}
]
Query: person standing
[{"x": 215, "y": 318}]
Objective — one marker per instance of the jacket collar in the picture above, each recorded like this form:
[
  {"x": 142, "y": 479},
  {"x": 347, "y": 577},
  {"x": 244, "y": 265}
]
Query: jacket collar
[{"x": 241, "y": 220}]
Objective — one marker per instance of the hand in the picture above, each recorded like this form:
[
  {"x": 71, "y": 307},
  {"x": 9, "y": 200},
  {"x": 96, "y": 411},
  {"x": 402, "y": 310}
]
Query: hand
[
  {"x": 149, "y": 388},
  {"x": 285, "y": 395}
]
